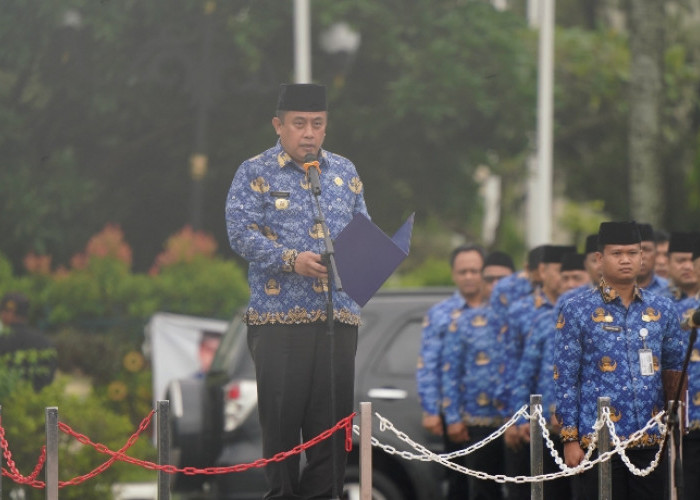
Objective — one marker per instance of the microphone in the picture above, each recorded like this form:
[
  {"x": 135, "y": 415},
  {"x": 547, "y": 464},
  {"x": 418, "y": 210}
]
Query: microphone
[
  {"x": 691, "y": 321},
  {"x": 313, "y": 170}
]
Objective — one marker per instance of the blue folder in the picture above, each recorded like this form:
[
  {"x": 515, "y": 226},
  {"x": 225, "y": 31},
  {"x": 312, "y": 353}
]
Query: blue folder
[{"x": 366, "y": 257}]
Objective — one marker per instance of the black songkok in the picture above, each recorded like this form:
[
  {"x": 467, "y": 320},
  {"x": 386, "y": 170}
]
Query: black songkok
[
  {"x": 618, "y": 233},
  {"x": 302, "y": 97},
  {"x": 534, "y": 257},
  {"x": 554, "y": 253},
  {"x": 696, "y": 249},
  {"x": 681, "y": 242},
  {"x": 497, "y": 258},
  {"x": 591, "y": 243},
  {"x": 646, "y": 232},
  {"x": 572, "y": 262}
]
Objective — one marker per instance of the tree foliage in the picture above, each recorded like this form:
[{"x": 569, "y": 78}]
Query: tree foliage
[{"x": 103, "y": 103}]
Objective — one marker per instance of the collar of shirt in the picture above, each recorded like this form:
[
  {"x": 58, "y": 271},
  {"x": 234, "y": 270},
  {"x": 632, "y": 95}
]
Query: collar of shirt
[
  {"x": 609, "y": 293},
  {"x": 677, "y": 293},
  {"x": 540, "y": 298},
  {"x": 283, "y": 158},
  {"x": 460, "y": 301}
]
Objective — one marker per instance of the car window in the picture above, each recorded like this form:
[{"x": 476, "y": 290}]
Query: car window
[
  {"x": 229, "y": 352},
  {"x": 401, "y": 354}
]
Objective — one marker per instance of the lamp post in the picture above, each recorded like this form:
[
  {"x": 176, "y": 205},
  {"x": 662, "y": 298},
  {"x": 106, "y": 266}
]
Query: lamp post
[
  {"x": 202, "y": 69},
  {"x": 203, "y": 100},
  {"x": 539, "y": 221},
  {"x": 302, "y": 41}
]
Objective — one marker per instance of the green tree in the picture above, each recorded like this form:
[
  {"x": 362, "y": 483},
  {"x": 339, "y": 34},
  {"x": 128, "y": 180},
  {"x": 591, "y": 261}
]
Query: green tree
[{"x": 101, "y": 104}]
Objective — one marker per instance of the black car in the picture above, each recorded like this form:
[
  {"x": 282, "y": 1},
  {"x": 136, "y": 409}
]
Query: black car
[{"x": 215, "y": 421}]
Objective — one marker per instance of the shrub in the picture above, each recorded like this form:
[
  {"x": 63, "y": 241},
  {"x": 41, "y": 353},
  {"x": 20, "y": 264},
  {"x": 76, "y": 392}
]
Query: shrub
[
  {"x": 433, "y": 272},
  {"x": 24, "y": 424},
  {"x": 203, "y": 287}
]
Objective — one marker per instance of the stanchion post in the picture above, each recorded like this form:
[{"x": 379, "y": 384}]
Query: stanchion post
[
  {"x": 51, "y": 465},
  {"x": 671, "y": 452},
  {"x": 366, "y": 451},
  {"x": 163, "y": 416},
  {"x": 604, "y": 468},
  {"x": 536, "y": 448}
]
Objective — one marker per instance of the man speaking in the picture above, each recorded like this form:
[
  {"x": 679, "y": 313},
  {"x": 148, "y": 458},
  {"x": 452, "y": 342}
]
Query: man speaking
[{"x": 272, "y": 223}]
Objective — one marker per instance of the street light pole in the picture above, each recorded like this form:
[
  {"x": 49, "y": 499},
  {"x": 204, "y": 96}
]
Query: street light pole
[
  {"x": 302, "y": 41},
  {"x": 202, "y": 99},
  {"x": 539, "y": 223}
]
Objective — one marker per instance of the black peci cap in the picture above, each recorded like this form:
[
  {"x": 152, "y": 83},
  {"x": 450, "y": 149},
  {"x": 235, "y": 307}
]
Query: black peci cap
[
  {"x": 554, "y": 253},
  {"x": 302, "y": 97},
  {"x": 534, "y": 257},
  {"x": 618, "y": 233},
  {"x": 572, "y": 262},
  {"x": 646, "y": 232},
  {"x": 682, "y": 242},
  {"x": 497, "y": 258},
  {"x": 591, "y": 243}
]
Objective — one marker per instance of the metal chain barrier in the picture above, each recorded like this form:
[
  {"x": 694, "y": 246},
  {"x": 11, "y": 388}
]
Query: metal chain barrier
[
  {"x": 623, "y": 456},
  {"x": 31, "y": 480},
  {"x": 424, "y": 454},
  {"x": 14, "y": 474},
  {"x": 120, "y": 455},
  {"x": 345, "y": 423}
]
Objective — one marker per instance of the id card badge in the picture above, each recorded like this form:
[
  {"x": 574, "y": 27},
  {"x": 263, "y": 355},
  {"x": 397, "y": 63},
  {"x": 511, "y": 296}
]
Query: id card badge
[{"x": 646, "y": 362}]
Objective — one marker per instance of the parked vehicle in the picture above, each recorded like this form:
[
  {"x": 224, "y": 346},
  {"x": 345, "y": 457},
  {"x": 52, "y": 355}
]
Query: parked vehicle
[{"x": 215, "y": 421}]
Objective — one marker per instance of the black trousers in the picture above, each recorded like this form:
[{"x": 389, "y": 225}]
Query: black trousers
[
  {"x": 517, "y": 463},
  {"x": 558, "y": 488},
  {"x": 691, "y": 465},
  {"x": 293, "y": 371},
  {"x": 488, "y": 459},
  {"x": 457, "y": 483},
  {"x": 625, "y": 485}
]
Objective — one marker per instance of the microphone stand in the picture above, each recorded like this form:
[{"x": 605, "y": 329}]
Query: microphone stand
[
  {"x": 673, "y": 425},
  {"x": 328, "y": 258}
]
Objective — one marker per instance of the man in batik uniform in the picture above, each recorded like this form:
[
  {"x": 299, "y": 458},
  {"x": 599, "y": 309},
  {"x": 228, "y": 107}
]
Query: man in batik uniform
[{"x": 605, "y": 344}]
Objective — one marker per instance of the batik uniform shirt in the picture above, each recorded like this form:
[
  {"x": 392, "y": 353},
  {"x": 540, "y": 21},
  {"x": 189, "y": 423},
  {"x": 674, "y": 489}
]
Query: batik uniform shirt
[
  {"x": 521, "y": 316},
  {"x": 535, "y": 374},
  {"x": 686, "y": 308},
  {"x": 673, "y": 292},
  {"x": 439, "y": 320},
  {"x": 508, "y": 290},
  {"x": 270, "y": 218},
  {"x": 569, "y": 294},
  {"x": 658, "y": 285},
  {"x": 472, "y": 363},
  {"x": 596, "y": 348}
]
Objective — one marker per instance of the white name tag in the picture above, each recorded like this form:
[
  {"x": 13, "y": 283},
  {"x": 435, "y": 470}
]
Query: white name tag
[{"x": 646, "y": 362}]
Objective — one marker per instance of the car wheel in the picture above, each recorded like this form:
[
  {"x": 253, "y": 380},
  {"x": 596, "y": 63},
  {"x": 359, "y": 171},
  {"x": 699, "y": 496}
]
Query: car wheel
[{"x": 383, "y": 488}]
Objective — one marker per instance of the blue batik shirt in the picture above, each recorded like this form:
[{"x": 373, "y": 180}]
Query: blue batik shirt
[
  {"x": 271, "y": 217},
  {"x": 685, "y": 309},
  {"x": 673, "y": 292},
  {"x": 658, "y": 285},
  {"x": 440, "y": 319},
  {"x": 472, "y": 358},
  {"x": 535, "y": 374},
  {"x": 596, "y": 347},
  {"x": 508, "y": 290},
  {"x": 521, "y": 315},
  {"x": 569, "y": 294}
]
